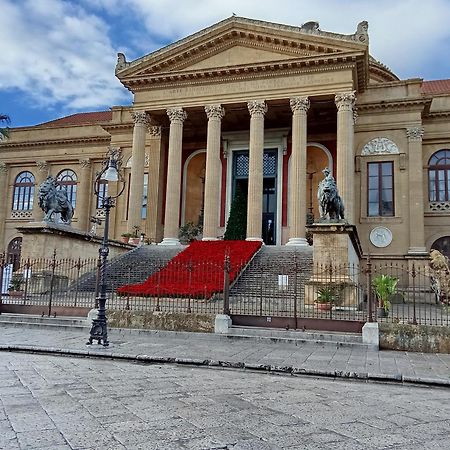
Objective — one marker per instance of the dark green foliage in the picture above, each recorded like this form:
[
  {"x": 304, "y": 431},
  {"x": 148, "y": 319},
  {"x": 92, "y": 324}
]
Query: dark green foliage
[{"x": 237, "y": 222}]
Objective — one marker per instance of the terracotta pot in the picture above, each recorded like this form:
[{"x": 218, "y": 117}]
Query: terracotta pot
[
  {"x": 15, "y": 293},
  {"x": 324, "y": 306}
]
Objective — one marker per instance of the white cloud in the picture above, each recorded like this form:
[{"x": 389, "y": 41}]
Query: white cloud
[
  {"x": 56, "y": 52},
  {"x": 410, "y": 36},
  {"x": 60, "y": 52}
]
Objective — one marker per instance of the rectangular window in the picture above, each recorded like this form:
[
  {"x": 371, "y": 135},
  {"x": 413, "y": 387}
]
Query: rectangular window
[
  {"x": 380, "y": 189},
  {"x": 144, "y": 197}
]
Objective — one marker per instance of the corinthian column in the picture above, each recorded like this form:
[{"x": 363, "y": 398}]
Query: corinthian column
[
  {"x": 345, "y": 158},
  {"x": 212, "y": 174},
  {"x": 137, "y": 169},
  {"x": 415, "y": 174},
  {"x": 297, "y": 174},
  {"x": 4, "y": 193},
  {"x": 172, "y": 214},
  {"x": 43, "y": 169},
  {"x": 257, "y": 109},
  {"x": 82, "y": 206}
]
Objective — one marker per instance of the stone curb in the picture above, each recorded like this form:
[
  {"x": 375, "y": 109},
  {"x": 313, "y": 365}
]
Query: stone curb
[{"x": 266, "y": 368}]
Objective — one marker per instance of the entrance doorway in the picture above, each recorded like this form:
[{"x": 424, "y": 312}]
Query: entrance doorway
[{"x": 269, "y": 207}]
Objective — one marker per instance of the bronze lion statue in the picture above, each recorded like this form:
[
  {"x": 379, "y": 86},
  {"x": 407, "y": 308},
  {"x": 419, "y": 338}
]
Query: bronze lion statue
[
  {"x": 330, "y": 203},
  {"x": 53, "y": 200}
]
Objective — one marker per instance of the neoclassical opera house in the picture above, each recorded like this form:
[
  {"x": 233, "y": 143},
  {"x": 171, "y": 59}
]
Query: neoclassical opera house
[{"x": 256, "y": 106}]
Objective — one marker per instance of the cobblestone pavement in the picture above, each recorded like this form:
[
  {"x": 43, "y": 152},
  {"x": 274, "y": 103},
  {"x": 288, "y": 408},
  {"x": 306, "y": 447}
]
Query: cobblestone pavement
[
  {"x": 50, "y": 402},
  {"x": 329, "y": 360}
]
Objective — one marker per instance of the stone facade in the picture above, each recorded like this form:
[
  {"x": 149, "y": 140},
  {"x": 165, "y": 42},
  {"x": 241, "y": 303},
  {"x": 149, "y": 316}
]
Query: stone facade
[{"x": 259, "y": 106}]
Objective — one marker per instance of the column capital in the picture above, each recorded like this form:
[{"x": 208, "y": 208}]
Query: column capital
[
  {"x": 414, "y": 133},
  {"x": 3, "y": 168},
  {"x": 85, "y": 163},
  {"x": 214, "y": 111},
  {"x": 257, "y": 107},
  {"x": 177, "y": 114},
  {"x": 299, "y": 104},
  {"x": 140, "y": 117},
  {"x": 42, "y": 165},
  {"x": 345, "y": 101}
]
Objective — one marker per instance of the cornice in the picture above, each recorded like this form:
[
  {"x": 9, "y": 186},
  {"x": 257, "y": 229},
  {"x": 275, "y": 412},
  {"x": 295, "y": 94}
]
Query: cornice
[
  {"x": 53, "y": 142},
  {"x": 381, "y": 105},
  {"x": 253, "y": 29},
  {"x": 239, "y": 73},
  {"x": 118, "y": 127}
]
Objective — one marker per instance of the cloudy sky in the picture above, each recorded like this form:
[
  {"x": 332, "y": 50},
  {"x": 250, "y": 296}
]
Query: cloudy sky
[{"x": 58, "y": 56}]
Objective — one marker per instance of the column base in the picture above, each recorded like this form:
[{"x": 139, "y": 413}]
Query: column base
[
  {"x": 299, "y": 241},
  {"x": 257, "y": 239},
  {"x": 170, "y": 241},
  {"x": 210, "y": 239}
]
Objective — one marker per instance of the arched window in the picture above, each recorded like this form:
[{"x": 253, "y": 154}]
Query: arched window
[
  {"x": 443, "y": 245},
  {"x": 439, "y": 176},
  {"x": 23, "y": 192},
  {"x": 67, "y": 179}
]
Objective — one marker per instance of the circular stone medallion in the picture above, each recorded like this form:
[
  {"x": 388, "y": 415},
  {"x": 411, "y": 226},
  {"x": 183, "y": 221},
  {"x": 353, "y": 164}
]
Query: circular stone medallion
[{"x": 381, "y": 236}]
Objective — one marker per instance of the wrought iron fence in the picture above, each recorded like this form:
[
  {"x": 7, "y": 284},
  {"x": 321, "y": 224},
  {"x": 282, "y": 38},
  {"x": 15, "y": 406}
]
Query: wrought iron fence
[{"x": 293, "y": 288}]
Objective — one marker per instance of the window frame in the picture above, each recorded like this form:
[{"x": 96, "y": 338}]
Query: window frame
[
  {"x": 435, "y": 168},
  {"x": 380, "y": 188},
  {"x": 70, "y": 186},
  {"x": 25, "y": 192}
]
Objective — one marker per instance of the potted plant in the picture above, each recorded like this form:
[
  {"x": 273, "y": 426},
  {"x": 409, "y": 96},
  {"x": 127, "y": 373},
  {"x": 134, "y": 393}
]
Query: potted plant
[
  {"x": 326, "y": 297},
  {"x": 135, "y": 238},
  {"x": 126, "y": 237},
  {"x": 14, "y": 289},
  {"x": 384, "y": 287}
]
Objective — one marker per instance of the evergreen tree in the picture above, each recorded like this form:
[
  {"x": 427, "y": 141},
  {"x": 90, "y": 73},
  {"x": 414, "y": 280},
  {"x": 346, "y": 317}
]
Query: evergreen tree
[{"x": 237, "y": 222}]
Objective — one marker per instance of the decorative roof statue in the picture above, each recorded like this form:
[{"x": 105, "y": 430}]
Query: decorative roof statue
[
  {"x": 331, "y": 207},
  {"x": 53, "y": 199}
]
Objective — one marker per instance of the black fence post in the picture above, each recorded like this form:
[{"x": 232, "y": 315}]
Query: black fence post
[
  {"x": 226, "y": 285},
  {"x": 53, "y": 266},
  {"x": 413, "y": 275},
  {"x": 369, "y": 289},
  {"x": 2, "y": 266}
]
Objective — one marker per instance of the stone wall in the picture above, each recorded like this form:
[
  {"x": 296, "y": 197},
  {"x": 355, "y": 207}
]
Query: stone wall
[
  {"x": 414, "y": 338},
  {"x": 159, "y": 320}
]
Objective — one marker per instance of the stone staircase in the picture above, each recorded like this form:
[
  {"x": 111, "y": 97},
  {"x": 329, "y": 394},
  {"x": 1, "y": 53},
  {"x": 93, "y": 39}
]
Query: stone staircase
[
  {"x": 134, "y": 266},
  {"x": 262, "y": 275}
]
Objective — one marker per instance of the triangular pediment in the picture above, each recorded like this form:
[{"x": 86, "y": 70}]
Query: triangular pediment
[{"x": 236, "y": 43}]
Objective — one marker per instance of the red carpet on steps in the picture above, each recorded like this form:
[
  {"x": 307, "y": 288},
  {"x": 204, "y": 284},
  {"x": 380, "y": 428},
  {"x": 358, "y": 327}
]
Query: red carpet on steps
[{"x": 197, "y": 272}]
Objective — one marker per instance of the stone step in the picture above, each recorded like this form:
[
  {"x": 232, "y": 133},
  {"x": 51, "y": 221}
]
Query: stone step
[{"x": 296, "y": 334}]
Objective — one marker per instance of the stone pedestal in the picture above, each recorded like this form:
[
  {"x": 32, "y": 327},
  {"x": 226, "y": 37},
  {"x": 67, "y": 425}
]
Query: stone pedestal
[
  {"x": 336, "y": 263},
  {"x": 40, "y": 239}
]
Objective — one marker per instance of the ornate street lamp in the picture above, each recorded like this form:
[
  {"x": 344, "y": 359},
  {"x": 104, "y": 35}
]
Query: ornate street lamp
[{"x": 109, "y": 173}]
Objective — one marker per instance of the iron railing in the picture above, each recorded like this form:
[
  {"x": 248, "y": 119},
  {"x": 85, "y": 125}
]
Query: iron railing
[{"x": 262, "y": 289}]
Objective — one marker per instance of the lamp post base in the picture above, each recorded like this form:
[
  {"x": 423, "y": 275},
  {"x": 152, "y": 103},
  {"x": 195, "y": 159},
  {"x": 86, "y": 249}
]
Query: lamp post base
[{"x": 99, "y": 332}]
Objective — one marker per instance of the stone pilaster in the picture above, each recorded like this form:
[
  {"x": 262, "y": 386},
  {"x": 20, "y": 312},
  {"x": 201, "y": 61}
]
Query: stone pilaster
[
  {"x": 84, "y": 194},
  {"x": 297, "y": 174},
  {"x": 177, "y": 117},
  {"x": 416, "y": 207},
  {"x": 6, "y": 207},
  {"x": 215, "y": 114},
  {"x": 345, "y": 103},
  {"x": 42, "y": 172},
  {"x": 257, "y": 110},
  {"x": 155, "y": 187},
  {"x": 141, "y": 122}
]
